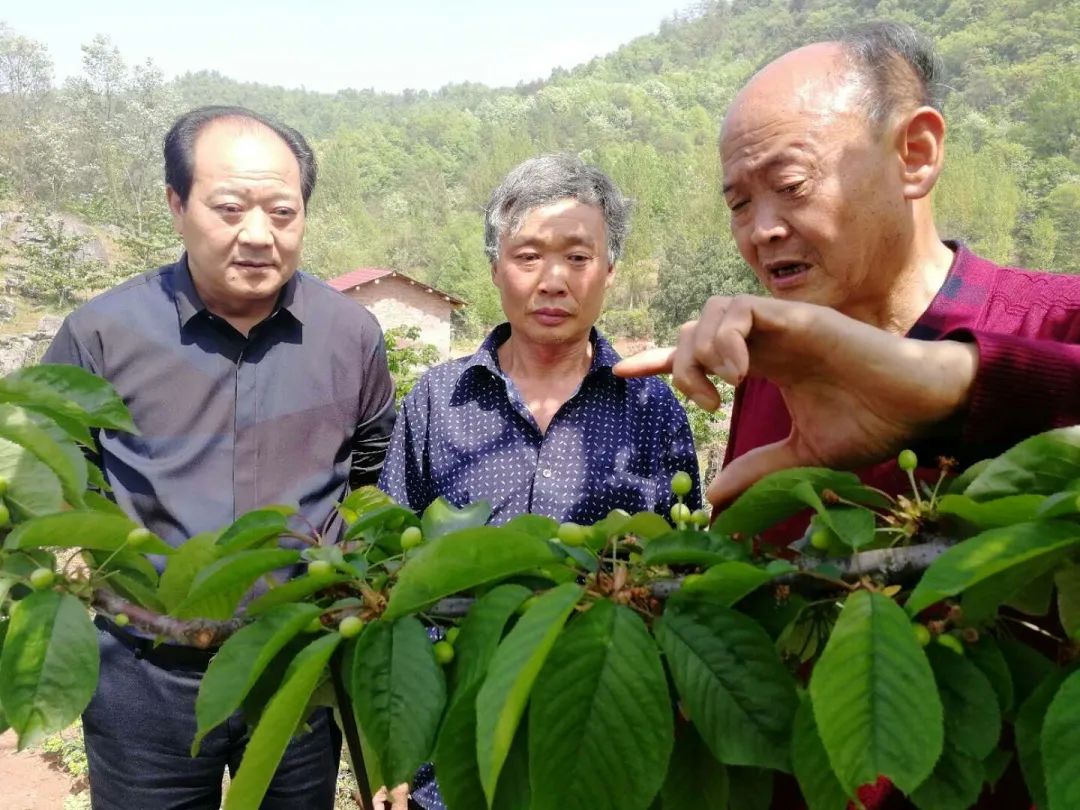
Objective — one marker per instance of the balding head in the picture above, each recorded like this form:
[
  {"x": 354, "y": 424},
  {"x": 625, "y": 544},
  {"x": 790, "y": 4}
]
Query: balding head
[{"x": 828, "y": 154}]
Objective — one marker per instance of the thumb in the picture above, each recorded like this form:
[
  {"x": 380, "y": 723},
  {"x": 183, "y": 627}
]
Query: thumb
[{"x": 741, "y": 473}]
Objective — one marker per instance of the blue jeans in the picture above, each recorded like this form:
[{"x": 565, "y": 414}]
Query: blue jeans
[{"x": 140, "y": 723}]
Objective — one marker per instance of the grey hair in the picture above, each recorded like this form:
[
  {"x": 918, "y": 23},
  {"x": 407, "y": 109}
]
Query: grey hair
[
  {"x": 897, "y": 65},
  {"x": 547, "y": 179}
]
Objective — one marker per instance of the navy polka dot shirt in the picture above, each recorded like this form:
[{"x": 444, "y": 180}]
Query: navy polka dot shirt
[{"x": 465, "y": 433}]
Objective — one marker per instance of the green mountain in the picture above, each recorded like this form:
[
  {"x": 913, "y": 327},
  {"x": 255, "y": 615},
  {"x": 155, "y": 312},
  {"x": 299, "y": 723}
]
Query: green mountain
[{"x": 404, "y": 177}]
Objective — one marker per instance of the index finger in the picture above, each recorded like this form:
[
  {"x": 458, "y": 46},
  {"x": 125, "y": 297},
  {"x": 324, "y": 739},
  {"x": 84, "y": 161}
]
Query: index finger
[{"x": 646, "y": 363}]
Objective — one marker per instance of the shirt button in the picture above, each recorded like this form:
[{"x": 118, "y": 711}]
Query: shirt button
[{"x": 546, "y": 473}]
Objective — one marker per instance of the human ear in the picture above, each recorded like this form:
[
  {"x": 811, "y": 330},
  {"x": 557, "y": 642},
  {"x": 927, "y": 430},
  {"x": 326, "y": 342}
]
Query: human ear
[{"x": 920, "y": 145}]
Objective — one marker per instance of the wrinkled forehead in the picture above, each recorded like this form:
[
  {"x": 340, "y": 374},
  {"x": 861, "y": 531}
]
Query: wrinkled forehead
[{"x": 800, "y": 91}]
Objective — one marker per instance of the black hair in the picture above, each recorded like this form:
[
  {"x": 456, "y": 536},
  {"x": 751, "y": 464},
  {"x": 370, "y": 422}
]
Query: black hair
[{"x": 179, "y": 146}]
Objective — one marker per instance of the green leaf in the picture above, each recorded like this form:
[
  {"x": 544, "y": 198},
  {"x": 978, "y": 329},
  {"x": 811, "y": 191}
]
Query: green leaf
[
  {"x": 33, "y": 489},
  {"x": 462, "y": 560},
  {"x": 481, "y": 632},
  {"x": 995, "y": 765},
  {"x": 442, "y": 518},
  {"x": 365, "y": 498},
  {"x": 963, "y": 481},
  {"x": 218, "y": 588},
  {"x": 240, "y": 662},
  {"x": 601, "y": 687},
  {"x": 514, "y": 789},
  {"x": 694, "y": 778},
  {"x": 390, "y": 517},
  {"x": 972, "y": 716},
  {"x": 992, "y": 552},
  {"x": 986, "y": 655},
  {"x": 643, "y": 525},
  {"x": 875, "y": 700},
  {"x": 253, "y": 529},
  {"x": 818, "y": 783},
  {"x": 1029, "y": 734},
  {"x": 1067, "y": 580},
  {"x": 99, "y": 503},
  {"x": 279, "y": 721},
  {"x": 455, "y": 753},
  {"x": 693, "y": 548},
  {"x": 1028, "y": 586},
  {"x": 854, "y": 525},
  {"x": 728, "y": 582},
  {"x": 511, "y": 675},
  {"x": 539, "y": 526},
  {"x": 1061, "y": 504},
  {"x": 955, "y": 784},
  {"x": 81, "y": 529},
  {"x": 1041, "y": 465},
  {"x": 991, "y": 514},
  {"x": 730, "y": 681},
  {"x": 1060, "y": 746},
  {"x": 972, "y": 728},
  {"x": 292, "y": 591},
  {"x": 49, "y": 664},
  {"x": 183, "y": 566},
  {"x": 70, "y": 392},
  {"x": 1028, "y": 668},
  {"x": 399, "y": 694},
  {"x": 61, "y": 455},
  {"x": 774, "y": 498}
]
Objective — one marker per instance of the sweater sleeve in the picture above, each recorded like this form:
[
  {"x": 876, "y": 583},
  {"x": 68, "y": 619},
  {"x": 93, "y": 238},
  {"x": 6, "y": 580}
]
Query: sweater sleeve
[{"x": 1022, "y": 386}]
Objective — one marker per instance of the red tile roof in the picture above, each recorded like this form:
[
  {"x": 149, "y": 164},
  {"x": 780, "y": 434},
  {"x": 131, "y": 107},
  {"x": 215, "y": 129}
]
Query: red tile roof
[
  {"x": 361, "y": 275},
  {"x": 366, "y": 275}
]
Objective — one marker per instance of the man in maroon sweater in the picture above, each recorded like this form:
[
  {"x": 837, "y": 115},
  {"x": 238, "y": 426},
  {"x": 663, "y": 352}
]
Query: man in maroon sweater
[{"x": 878, "y": 334}]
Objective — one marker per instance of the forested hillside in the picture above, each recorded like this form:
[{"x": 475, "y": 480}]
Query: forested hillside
[{"x": 404, "y": 177}]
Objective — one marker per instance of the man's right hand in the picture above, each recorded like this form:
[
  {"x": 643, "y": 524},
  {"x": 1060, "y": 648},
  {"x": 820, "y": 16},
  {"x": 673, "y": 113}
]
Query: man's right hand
[{"x": 856, "y": 394}]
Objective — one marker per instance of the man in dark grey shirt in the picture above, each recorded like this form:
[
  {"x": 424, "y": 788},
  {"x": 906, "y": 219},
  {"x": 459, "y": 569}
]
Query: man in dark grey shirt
[{"x": 251, "y": 384}]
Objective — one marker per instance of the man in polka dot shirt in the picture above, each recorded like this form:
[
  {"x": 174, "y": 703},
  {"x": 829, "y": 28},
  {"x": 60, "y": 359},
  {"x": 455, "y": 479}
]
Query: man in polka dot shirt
[{"x": 535, "y": 421}]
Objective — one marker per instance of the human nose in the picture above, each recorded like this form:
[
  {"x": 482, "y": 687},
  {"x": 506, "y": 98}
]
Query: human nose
[{"x": 255, "y": 231}]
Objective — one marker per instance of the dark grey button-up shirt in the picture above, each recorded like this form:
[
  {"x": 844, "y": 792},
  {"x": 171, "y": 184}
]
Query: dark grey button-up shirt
[{"x": 230, "y": 423}]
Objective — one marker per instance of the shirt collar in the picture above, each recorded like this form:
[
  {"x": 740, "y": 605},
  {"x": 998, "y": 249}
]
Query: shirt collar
[
  {"x": 189, "y": 304},
  {"x": 604, "y": 356}
]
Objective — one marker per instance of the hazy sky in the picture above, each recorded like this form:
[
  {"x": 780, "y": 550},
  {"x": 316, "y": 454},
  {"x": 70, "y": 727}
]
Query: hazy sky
[{"x": 332, "y": 44}]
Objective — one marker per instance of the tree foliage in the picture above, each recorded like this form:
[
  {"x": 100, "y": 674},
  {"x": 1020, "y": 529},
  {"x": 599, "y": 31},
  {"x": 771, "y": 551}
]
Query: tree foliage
[{"x": 404, "y": 177}]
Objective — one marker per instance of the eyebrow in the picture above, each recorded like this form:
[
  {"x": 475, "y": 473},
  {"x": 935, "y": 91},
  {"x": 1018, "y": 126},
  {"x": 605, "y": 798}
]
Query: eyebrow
[{"x": 780, "y": 157}]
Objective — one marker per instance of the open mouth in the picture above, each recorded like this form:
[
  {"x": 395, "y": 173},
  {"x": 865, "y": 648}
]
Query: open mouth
[{"x": 787, "y": 270}]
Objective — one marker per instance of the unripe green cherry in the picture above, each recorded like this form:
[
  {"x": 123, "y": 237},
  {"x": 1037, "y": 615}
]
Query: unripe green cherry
[
  {"x": 922, "y": 634},
  {"x": 907, "y": 460},
  {"x": 572, "y": 534},
  {"x": 411, "y": 538},
  {"x": 700, "y": 517},
  {"x": 350, "y": 626},
  {"x": 320, "y": 568},
  {"x": 138, "y": 537},
  {"x": 821, "y": 539},
  {"x": 42, "y": 578},
  {"x": 315, "y": 625},
  {"x": 452, "y": 634},
  {"x": 681, "y": 483},
  {"x": 444, "y": 652},
  {"x": 680, "y": 513},
  {"x": 121, "y": 620}
]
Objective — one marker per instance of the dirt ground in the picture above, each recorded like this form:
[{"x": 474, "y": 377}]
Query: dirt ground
[{"x": 32, "y": 780}]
